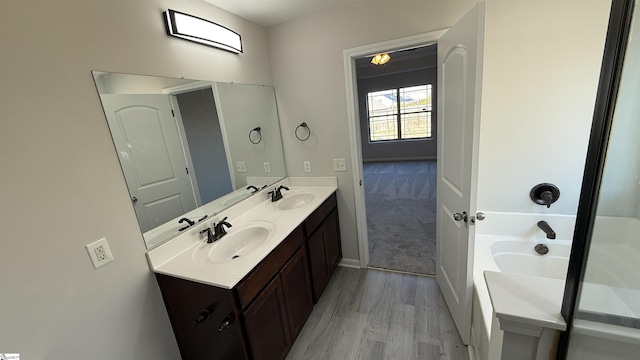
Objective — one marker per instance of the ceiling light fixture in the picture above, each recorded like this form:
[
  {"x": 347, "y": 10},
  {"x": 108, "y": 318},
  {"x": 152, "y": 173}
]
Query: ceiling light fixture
[
  {"x": 380, "y": 59},
  {"x": 202, "y": 31}
]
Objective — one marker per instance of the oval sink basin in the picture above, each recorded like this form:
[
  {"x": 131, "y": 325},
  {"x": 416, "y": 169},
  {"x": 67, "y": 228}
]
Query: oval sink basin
[
  {"x": 241, "y": 240},
  {"x": 235, "y": 199},
  {"x": 294, "y": 201}
]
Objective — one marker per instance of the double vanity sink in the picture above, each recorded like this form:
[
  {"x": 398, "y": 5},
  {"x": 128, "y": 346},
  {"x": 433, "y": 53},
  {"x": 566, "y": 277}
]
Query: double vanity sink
[{"x": 248, "y": 294}]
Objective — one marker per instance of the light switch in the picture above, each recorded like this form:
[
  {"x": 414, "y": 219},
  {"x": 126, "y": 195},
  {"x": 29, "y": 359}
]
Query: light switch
[
  {"x": 242, "y": 167},
  {"x": 339, "y": 165}
]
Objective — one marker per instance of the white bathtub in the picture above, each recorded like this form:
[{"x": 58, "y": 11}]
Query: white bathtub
[
  {"x": 519, "y": 256},
  {"x": 512, "y": 255},
  {"x": 505, "y": 242}
]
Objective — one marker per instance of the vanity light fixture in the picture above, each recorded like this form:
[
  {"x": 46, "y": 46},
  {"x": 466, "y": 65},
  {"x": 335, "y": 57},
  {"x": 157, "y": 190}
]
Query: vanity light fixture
[
  {"x": 202, "y": 31},
  {"x": 380, "y": 59}
]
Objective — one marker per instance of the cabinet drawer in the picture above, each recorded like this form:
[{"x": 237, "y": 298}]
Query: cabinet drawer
[
  {"x": 253, "y": 283},
  {"x": 315, "y": 219}
]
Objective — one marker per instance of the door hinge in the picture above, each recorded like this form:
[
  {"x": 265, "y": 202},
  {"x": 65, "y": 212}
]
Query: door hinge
[
  {"x": 172, "y": 113},
  {"x": 187, "y": 170},
  {"x": 360, "y": 182}
]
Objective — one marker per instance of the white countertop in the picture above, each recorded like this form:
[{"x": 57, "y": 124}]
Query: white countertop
[
  {"x": 175, "y": 257},
  {"x": 526, "y": 299}
]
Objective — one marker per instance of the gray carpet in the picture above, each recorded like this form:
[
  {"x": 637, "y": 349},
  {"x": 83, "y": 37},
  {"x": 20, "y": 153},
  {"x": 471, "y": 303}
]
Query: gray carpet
[{"x": 401, "y": 215}]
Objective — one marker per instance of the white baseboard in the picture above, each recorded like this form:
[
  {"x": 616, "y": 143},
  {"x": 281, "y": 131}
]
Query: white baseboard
[
  {"x": 350, "y": 263},
  {"x": 416, "y": 158}
]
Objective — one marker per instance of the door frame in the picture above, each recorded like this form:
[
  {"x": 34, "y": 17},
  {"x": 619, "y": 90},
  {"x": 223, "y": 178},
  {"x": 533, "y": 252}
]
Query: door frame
[{"x": 353, "y": 116}]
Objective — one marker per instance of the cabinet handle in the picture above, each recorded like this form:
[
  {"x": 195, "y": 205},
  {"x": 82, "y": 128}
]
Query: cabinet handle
[
  {"x": 226, "y": 322},
  {"x": 204, "y": 315}
]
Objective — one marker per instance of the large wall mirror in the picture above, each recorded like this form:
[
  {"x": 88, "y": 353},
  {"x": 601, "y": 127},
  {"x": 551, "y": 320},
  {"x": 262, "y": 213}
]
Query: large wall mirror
[{"x": 190, "y": 148}]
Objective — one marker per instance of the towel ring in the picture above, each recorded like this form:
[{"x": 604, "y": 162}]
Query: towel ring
[
  {"x": 303, "y": 125},
  {"x": 259, "y": 135}
]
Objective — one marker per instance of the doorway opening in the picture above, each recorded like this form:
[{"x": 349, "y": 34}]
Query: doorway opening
[{"x": 397, "y": 118}]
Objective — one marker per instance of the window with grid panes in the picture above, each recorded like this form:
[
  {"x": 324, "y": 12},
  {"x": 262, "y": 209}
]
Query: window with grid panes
[{"x": 400, "y": 113}]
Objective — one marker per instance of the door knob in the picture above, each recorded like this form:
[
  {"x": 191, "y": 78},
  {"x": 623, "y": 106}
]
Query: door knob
[
  {"x": 479, "y": 216},
  {"x": 459, "y": 217},
  {"x": 134, "y": 199}
]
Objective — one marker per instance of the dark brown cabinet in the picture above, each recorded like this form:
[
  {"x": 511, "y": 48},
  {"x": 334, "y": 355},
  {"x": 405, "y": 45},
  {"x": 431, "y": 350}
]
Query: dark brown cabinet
[
  {"x": 277, "y": 315},
  {"x": 267, "y": 324},
  {"x": 296, "y": 286},
  {"x": 332, "y": 239},
  {"x": 325, "y": 248},
  {"x": 262, "y": 316},
  {"x": 204, "y": 320},
  {"x": 318, "y": 260}
]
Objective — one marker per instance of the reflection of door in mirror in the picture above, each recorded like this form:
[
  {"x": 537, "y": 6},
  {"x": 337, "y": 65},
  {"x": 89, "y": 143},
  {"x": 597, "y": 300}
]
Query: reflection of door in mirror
[
  {"x": 150, "y": 151},
  {"x": 197, "y": 116}
]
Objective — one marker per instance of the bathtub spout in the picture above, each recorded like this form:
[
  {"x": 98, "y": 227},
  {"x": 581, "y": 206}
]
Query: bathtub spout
[{"x": 544, "y": 226}]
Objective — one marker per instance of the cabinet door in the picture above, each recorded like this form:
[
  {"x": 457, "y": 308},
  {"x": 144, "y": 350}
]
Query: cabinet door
[
  {"x": 318, "y": 262},
  {"x": 332, "y": 241},
  {"x": 296, "y": 286},
  {"x": 266, "y": 324}
]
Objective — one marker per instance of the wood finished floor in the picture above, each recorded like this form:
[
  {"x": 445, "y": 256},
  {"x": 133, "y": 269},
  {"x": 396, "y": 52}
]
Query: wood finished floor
[{"x": 371, "y": 314}]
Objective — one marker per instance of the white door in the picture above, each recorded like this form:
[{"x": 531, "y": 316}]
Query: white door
[
  {"x": 146, "y": 137},
  {"x": 459, "y": 82}
]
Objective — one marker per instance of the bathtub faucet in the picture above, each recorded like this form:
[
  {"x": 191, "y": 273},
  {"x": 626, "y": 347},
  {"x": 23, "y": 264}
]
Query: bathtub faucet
[{"x": 544, "y": 226}]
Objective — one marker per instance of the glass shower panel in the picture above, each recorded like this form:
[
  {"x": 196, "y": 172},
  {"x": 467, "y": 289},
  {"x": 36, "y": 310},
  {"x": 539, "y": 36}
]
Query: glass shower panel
[
  {"x": 611, "y": 287},
  {"x": 607, "y": 319}
]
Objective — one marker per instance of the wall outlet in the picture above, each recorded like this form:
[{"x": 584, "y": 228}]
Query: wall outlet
[
  {"x": 242, "y": 167},
  {"x": 307, "y": 166},
  {"x": 99, "y": 252},
  {"x": 339, "y": 165},
  {"x": 267, "y": 167}
]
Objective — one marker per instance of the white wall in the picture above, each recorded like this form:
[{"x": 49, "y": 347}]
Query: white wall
[
  {"x": 541, "y": 68},
  {"x": 60, "y": 182},
  {"x": 308, "y": 73},
  {"x": 256, "y": 106}
]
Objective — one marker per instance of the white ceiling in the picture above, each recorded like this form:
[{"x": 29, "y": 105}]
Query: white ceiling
[{"x": 272, "y": 12}]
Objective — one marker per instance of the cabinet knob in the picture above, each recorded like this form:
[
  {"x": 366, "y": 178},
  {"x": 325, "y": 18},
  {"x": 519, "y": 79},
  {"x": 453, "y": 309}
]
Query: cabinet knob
[
  {"x": 224, "y": 325},
  {"x": 204, "y": 315}
]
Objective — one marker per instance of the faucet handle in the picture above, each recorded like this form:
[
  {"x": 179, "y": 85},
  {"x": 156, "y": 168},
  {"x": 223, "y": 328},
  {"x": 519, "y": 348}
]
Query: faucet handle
[
  {"x": 219, "y": 230},
  {"x": 210, "y": 237},
  {"x": 545, "y": 194},
  {"x": 547, "y": 198}
]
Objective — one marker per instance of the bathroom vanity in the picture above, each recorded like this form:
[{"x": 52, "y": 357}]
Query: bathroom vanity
[{"x": 253, "y": 305}]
